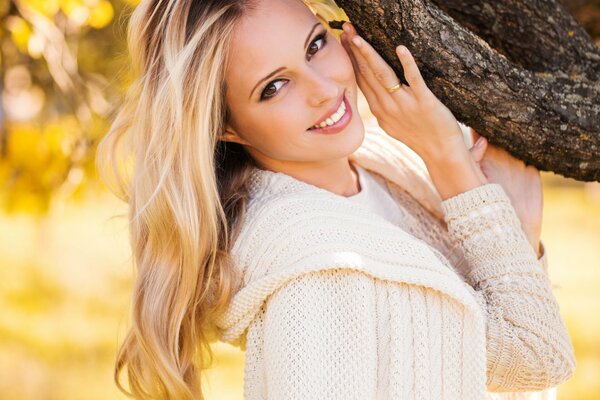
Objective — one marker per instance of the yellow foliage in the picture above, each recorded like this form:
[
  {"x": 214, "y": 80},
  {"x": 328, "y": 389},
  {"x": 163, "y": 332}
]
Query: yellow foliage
[
  {"x": 24, "y": 148},
  {"x": 101, "y": 14},
  {"x": 97, "y": 14},
  {"x": 20, "y": 32},
  {"x": 38, "y": 160},
  {"x": 60, "y": 135},
  {"x": 27, "y": 203},
  {"x": 5, "y": 170},
  {"x": 68, "y": 6},
  {"x": 46, "y": 7},
  {"x": 4, "y": 7}
]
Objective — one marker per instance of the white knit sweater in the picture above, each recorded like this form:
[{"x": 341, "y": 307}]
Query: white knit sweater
[{"x": 338, "y": 302}]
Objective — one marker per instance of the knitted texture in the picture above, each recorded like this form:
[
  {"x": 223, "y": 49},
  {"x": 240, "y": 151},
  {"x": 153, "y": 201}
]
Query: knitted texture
[
  {"x": 516, "y": 294},
  {"x": 340, "y": 303},
  {"x": 413, "y": 218},
  {"x": 423, "y": 224}
]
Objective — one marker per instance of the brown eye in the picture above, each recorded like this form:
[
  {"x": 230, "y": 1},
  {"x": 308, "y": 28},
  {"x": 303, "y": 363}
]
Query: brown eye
[
  {"x": 267, "y": 93},
  {"x": 314, "y": 47}
]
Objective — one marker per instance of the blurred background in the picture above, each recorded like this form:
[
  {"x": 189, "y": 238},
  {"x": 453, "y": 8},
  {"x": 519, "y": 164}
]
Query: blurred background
[{"x": 65, "y": 267}]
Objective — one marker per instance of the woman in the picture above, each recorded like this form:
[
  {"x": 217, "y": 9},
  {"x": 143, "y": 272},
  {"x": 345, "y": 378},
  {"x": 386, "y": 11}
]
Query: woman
[{"x": 349, "y": 262}]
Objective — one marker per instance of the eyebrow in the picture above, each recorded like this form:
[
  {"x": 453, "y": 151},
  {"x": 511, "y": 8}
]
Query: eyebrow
[{"x": 282, "y": 68}]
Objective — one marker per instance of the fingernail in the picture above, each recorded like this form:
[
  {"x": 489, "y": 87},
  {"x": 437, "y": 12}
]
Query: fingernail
[{"x": 356, "y": 40}]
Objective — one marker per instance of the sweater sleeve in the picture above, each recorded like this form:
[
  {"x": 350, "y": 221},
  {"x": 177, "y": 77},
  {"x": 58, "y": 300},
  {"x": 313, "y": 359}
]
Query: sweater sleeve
[
  {"x": 528, "y": 346},
  {"x": 320, "y": 343}
]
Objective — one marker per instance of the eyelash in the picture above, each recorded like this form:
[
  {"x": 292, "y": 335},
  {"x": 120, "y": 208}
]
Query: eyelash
[{"x": 322, "y": 35}]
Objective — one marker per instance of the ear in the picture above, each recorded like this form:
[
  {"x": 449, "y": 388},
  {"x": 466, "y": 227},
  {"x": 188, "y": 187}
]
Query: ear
[{"x": 230, "y": 135}]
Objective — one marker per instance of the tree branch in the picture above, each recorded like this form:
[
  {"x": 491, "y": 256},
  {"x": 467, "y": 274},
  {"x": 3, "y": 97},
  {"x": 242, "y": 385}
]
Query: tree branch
[{"x": 548, "y": 119}]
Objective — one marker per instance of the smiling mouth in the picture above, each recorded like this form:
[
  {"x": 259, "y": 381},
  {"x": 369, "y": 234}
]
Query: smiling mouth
[{"x": 333, "y": 117}]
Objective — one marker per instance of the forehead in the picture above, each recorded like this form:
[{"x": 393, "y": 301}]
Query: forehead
[{"x": 266, "y": 38}]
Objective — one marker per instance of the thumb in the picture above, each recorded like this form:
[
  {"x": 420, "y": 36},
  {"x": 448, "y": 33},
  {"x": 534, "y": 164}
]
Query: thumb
[
  {"x": 474, "y": 135},
  {"x": 478, "y": 149}
]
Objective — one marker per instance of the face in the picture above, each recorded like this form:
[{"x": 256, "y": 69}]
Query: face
[{"x": 286, "y": 73}]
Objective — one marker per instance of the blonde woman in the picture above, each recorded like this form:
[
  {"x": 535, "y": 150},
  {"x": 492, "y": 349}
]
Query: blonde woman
[{"x": 349, "y": 262}]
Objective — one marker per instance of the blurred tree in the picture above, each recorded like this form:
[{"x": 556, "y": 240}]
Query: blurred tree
[
  {"x": 58, "y": 92},
  {"x": 587, "y": 12}
]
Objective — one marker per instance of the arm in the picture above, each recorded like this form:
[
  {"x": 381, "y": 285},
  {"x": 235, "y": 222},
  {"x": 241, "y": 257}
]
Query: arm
[
  {"x": 528, "y": 346},
  {"x": 319, "y": 342}
]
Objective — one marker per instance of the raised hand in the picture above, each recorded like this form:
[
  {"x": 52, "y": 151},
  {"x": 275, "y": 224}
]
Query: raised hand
[{"x": 411, "y": 114}]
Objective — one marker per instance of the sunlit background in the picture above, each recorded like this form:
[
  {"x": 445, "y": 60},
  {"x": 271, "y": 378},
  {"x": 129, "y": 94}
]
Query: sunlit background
[{"x": 65, "y": 267}]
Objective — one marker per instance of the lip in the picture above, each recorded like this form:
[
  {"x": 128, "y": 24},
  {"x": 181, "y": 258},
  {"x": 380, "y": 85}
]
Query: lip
[
  {"x": 341, "y": 124},
  {"x": 330, "y": 111}
]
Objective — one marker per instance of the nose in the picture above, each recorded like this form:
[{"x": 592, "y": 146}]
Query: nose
[{"x": 322, "y": 89}]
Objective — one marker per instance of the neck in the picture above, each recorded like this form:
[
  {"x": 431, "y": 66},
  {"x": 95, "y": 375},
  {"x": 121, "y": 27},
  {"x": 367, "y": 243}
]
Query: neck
[{"x": 339, "y": 176}]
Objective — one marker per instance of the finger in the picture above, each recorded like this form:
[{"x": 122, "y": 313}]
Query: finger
[
  {"x": 375, "y": 82},
  {"x": 474, "y": 135},
  {"x": 377, "y": 73},
  {"x": 363, "y": 72},
  {"x": 478, "y": 149},
  {"x": 364, "y": 87},
  {"x": 362, "y": 84},
  {"x": 411, "y": 72},
  {"x": 376, "y": 69},
  {"x": 359, "y": 78}
]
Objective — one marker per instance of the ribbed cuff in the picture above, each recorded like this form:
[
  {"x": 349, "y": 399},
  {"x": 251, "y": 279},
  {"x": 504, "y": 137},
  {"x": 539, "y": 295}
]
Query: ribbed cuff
[
  {"x": 465, "y": 202},
  {"x": 486, "y": 224}
]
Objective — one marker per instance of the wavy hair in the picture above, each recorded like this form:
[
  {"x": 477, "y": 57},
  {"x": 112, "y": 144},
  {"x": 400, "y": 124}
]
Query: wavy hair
[{"x": 185, "y": 189}]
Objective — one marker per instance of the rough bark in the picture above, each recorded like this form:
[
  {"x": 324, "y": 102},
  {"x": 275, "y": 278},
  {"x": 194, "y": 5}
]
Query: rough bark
[
  {"x": 540, "y": 36},
  {"x": 537, "y": 95}
]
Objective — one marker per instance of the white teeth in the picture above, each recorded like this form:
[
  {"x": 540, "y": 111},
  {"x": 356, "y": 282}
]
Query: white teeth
[{"x": 335, "y": 117}]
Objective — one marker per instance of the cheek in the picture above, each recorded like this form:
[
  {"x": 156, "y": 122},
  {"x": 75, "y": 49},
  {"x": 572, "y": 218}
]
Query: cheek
[
  {"x": 286, "y": 122},
  {"x": 279, "y": 132}
]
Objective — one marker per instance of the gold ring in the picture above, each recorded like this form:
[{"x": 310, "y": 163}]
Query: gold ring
[{"x": 394, "y": 88}]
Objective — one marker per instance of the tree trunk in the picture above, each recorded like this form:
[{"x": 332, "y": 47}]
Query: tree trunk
[{"x": 522, "y": 73}]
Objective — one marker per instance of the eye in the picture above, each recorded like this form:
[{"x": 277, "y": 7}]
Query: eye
[
  {"x": 313, "y": 48},
  {"x": 321, "y": 37},
  {"x": 266, "y": 93}
]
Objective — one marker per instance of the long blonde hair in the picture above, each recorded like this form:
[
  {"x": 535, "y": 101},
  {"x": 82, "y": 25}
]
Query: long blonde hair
[{"x": 186, "y": 189}]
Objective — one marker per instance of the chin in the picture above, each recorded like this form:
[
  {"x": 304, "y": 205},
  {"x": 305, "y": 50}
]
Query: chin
[
  {"x": 358, "y": 134},
  {"x": 352, "y": 139}
]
